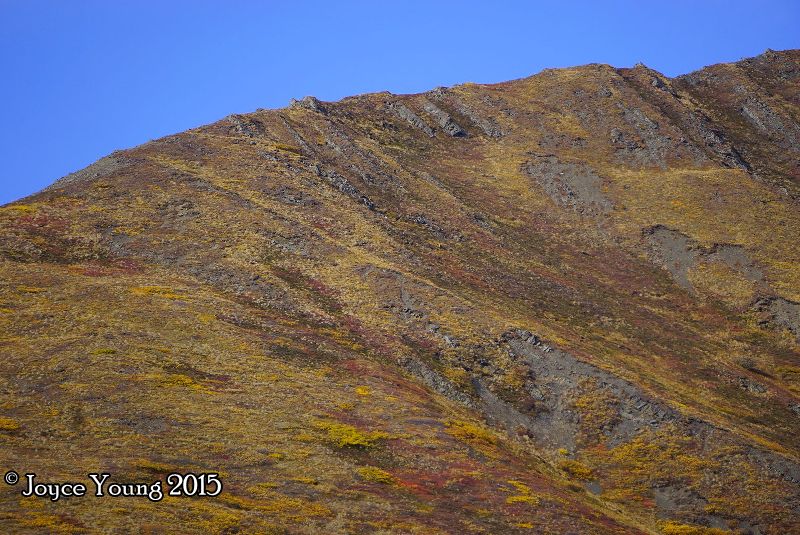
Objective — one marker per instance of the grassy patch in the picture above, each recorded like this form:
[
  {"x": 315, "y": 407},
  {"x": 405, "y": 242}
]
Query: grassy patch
[
  {"x": 469, "y": 432},
  {"x": 575, "y": 469},
  {"x": 347, "y": 436},
  {"x": 158, "y": 291},
  {"x": 375, "y": 475},
  {"x": 8, "y": 425}
]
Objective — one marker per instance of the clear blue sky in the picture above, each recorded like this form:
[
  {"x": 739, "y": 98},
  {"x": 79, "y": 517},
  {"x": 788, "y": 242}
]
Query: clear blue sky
[{"x": 82, "y": 78}]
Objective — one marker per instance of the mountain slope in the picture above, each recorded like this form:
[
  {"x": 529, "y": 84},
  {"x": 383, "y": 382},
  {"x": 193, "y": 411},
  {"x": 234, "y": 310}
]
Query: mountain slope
[{"x": 566, "y": 303}]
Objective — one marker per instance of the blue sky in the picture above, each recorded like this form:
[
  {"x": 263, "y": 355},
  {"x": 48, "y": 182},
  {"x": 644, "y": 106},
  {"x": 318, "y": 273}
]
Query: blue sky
[{"x": 83, "y": 78}]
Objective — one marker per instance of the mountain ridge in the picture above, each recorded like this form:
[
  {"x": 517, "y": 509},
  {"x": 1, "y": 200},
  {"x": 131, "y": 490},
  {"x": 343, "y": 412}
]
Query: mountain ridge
[{"x": 294, "y": 101}]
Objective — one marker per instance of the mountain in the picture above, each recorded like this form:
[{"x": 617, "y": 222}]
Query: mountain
[{"x": 568, "y": 303}]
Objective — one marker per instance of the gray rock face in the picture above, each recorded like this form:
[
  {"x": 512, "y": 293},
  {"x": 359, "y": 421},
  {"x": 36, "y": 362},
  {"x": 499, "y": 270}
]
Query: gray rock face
[
  {"x": 573, "y": 185},
  {"x": 309, "y": 103},
  {"x": 176, "y": 211},
  {"x": 555, "y": 377},
  {"x": 402, "y": 111},
  {"x": 245, "y": 126},
  {"x": 735, "y": 257},
  {"x": 674, "y": 251},
  {"x": 704, "y": 139},
  {"x": 342, "y": 184},
  {"x": 752, "y": 386},
  {"x": 678, "y": 253},
  {"x": 763, "y": 117},
  {"x": 751, "y": 114},
  {"x": 486, "y": 124},
  {"x": 449, "y": 126},
  {"x": 360, "y": 162},
  {"x": 780, "y": 312},
  {"x": 650, "y": 147},
  {"x": 658, "y": 83},
  {"x": 436, "y": 381}
]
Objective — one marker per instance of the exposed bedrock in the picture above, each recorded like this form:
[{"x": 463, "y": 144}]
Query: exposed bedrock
[{"x": 571, "y": 185}]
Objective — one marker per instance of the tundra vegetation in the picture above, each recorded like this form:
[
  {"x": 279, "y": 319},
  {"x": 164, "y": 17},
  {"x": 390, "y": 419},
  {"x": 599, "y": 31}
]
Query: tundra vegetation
[{"x": 569, "y": 303}]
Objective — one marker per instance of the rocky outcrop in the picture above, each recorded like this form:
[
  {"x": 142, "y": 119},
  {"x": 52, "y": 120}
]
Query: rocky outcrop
[
  {"x": 777, "y": 312},
  {"x": 403, "y": 112},
  {"x": 446, "y": 122},
  {"x": 678, "y": 254},
  {"x": 569, "y": 184}
]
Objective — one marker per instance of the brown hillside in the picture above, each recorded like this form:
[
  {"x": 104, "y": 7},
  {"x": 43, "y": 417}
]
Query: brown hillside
[{"x": 568, "y": 303}]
